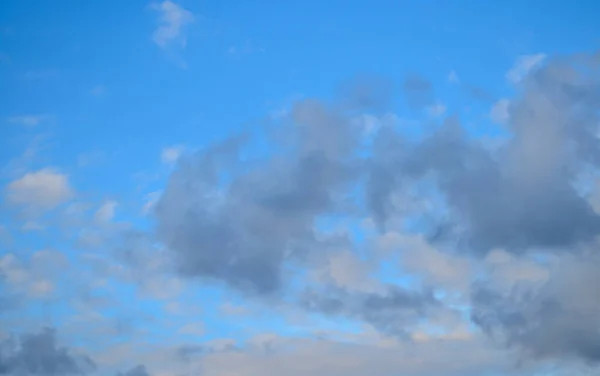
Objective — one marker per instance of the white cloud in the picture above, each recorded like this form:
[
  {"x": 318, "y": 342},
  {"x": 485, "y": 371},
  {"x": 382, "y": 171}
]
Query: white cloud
[
  {"x": 28, "y": 120},
  {"x": 499, "y": 112},
  {"x": 523, "y": 66},
  {"x": 171, "y": 154},
  {"x": 43, "y": 189},
  {"x": 106, "y": 212},
  {"x": 172, "y": 20}
]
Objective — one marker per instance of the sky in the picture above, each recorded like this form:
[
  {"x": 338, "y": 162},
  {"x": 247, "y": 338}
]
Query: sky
[{"x": 313, "y": 188}]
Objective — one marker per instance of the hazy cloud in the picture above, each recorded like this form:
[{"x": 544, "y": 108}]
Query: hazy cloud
[{"x": 173, "y": 20}]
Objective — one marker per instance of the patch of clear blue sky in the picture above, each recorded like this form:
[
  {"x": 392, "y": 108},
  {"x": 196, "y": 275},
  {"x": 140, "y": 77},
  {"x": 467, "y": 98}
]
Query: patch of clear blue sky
[{"x": 56, "y": 52}]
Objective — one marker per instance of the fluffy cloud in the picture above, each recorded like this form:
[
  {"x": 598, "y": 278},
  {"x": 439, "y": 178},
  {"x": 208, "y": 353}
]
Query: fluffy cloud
[
  {"x": 248, "y": 229},
  {"x": 43, "y": 189},
  {"x": 521, "y": 198},
  {"x": 453, "y": 234},
  {"x": 39, "y": 354}
]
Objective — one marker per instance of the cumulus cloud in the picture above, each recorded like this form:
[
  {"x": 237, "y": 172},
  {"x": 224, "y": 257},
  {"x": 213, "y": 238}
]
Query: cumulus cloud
[
  {"x": 482, "y": 212},
  {"x": 42, "y": 189},
  {"x": 249, "y": 228},
  {"x": 173, "y": 20},
  {"x": 528, "y": 185},
  {"x": 39, "y": 354},
  {"x": 556, "y": 320},
  {"x": 451, "y": 228}
]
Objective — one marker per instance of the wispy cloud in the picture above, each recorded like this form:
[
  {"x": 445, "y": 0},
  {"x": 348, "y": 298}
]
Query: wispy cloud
[
  {"x": 173, "y": 19},
  {"x": 523, "y": 66},
  {"x": 171, "y": 154},
  {"x": 28, "y": 120}
]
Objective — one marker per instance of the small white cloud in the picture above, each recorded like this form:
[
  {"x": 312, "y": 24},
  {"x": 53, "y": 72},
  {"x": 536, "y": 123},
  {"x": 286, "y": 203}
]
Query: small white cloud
[
  {"x": 499, "y": 112},
  {"x": 172, "y": 20},
  {"x": 523, "y": 66},
  {"x": 453, "y": 77},
  {"x": 98, "y": 90},
  {"x": 171, "y": 154},
  {"x": 43, "y": 189},
  {"x": 106, "y": 212},
  {"x": 436, "y": 110},
  {"x": 28, "y": 120}
]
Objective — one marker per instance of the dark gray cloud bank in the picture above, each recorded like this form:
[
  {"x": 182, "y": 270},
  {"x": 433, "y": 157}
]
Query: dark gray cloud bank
[
  {"x": 39, "y": 354},
  {"x": 248, "y": 222}
]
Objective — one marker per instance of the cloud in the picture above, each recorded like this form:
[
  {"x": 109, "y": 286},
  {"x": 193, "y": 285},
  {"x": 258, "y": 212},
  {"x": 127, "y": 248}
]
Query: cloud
[
  {"x": 173, "y": 20},
  {"x": 36, "y": 279},
  {"x": 265, "y": 213},
  {"x": 30, "y": 120},
  {"x": 138, "y": 370},
  {"x": 554, "y": 124},
  {"x": 106, "y": 212},
  {"x": 500, "y": 111},
  {"x": 39, "y": 354},
  {"x": 390, "y": 312},
  {"x": 43, "y": 189},
  {"x": 171, "y": 154},
  {"x": 556, "y": 320},
  {"x": 523, "y": 66},
  {"x": 418, "y": 91}
]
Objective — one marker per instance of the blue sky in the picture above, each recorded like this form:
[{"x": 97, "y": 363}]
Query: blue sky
[{"x": 337, "y": 234}]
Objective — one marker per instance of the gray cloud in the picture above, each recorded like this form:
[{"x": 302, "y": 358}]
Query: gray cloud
[
  {"x": 242, "y": 232},
  {"x": 558, "y": 320},
  {"x": 139, "y": 370},
  {"x": 39, "y": 354},
  {"x": 418, "y": 91},
  {"x": 242, "y": 221},
  {"x": 391, "y": 312},
  {"x": 522, "y": 196}
]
